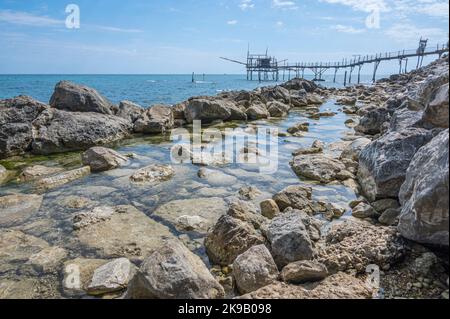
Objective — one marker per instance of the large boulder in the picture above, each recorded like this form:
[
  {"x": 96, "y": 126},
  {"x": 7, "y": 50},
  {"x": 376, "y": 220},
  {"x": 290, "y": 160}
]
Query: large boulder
[
  {"x": 277, "y": 109},
  {"x": 129, "y": 110},
  {"x": 101, "y": 159},
  {"x": 353, "y": 150},
  {"x": 289, "y": 239},
  {"x": 436, "y": 113},
  {"x": 211, "y": 109},
  {"x": 254, "y": 269},
  {"x": 304, "y": 271},
  {"x": 300, "y": 84},
  {"x": 383, "y": 163},
  {"x": 229, "y": 238},
  {"x": 371, "y": 123},
  {"x": 296, "y": 196},
  {"x": 424, "y": 194},
  {"x": 58, "y": 131},
  {"x": 257, "y": 112},
  {"x": 16, "y": 131},
  {"x": 173, "y": 272},
  {"x": 320, "y": 168},
  {"x": 157, "y": 119},
  {"x": 73, "y": 97}
]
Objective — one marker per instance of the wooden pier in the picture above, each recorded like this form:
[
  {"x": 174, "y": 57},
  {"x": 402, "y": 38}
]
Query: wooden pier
[{"x": 263, "y": 67}]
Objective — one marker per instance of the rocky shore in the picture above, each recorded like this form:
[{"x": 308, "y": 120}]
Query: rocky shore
[{"x": 238, "y": 242}]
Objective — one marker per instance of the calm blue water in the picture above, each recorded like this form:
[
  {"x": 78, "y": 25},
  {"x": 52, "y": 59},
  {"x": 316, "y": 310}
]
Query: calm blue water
[{"x": 145, "y": 90}]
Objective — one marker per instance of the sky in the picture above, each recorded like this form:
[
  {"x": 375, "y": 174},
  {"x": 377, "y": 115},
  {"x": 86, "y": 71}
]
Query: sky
[{"x": 184, "y": 36}]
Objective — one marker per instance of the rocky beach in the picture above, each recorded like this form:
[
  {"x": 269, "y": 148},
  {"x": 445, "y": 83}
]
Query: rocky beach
[{"x": 92, "y": 206}]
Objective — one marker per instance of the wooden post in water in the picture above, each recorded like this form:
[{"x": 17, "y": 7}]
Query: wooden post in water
[
  {"x": 345, "y": 78},
  {"x": 193, "y": 75}
]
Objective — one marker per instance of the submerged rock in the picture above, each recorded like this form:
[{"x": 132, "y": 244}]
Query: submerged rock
[
  {"x": 101, "y": 159},
  {"x": 73, "y": 97},
  {"x": 152, "y": 174},
  {"x": 33, "y": 172},
  {"x": 16, "y": 209},
  {"x": 216, "y": 177},
  {"x": 78, "y": 273},
  {"x": 197, "y": 214},
  {"x": 122, "y": 231},
  {"x": 254, "y": 269},
  {"x": 424, "y": 195},
  {"x": 171, "y": 271},
  {"x": 61, "y": 179}
]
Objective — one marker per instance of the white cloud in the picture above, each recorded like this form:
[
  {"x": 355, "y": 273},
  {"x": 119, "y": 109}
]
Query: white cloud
[
  {"x": 409, "y": 33},
  {"x": 232, "y": 22},
  {"x": 284, "y": 4},
  {"x": 279, "y": 24},
  {"x": 361, "y": 5},
  {"x": 114, "y": 29},
  {"x": 27, "y": 19},
  {"x": 347, "y": 29},
  {"x": 435, "y": 9},
  {"x": 246, "y": 4}
]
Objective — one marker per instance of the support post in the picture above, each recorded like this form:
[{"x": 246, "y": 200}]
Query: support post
[
  {"x": 335, "y": 72},
  {"x": 375, "y": 68},
  {"x": 345, "y": 78},
  {"x": 359, "y": 73}
]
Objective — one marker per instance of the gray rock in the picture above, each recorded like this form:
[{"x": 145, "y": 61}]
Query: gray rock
[
  {"x": 297, "y": 197},
  {"x": 3, "y": 174},
  {"x": 197, "y": 214},
  {"x": 405, "y": 118},
  {"x": 16, "y": 131},
  {"x": 58, "y": 180},
  {"x": 384, "y": 204},
  {"x": 424, "y": 264},
  {"x": 129, "y": 111},
  {"x": 247, "y": 212},
  {"x": 156, "y": 119},
  {"x": 320, "y": 168},
  {"x": 254, "y": 269},
  {"x": 211, "y": 109},
  {"x": 111, "y": 277},
  {"x": 289, "y": 239},
  {"x": 229, "y": 238},
  {"x": 56, "y": 131},
  {"x": 277, "y": 109},
  {"x": 78, "y": 274},
  {"x": 269, "y": 208},
  {"x": 383, "y": 163},
  {"x": 216, "y": 177},
  {"x": 36, "y": 171},
  {"x": 436, "y": 113},
  {"x": 153, "y": 174},
  {"x": 16, "y": 209},
  {"x": 353, "y": 150},
  {"x": 257, "y": 112},
  {"x": 45, "y": 261},
  {"x": 372, "y": 122},
  {"x": 390, "y": 216},
  {"x": 101, "y": 159},
  {"x": 73, "y": 97},
  {"x": 304, "y": 271},
  {"x": 424, "y": 194},
  {"x": 173, "y": 272},
  {"x": 363, "y": 211}
]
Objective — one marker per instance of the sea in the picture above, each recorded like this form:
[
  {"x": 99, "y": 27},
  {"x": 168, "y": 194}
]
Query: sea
[{"x": 145, "y": 90}]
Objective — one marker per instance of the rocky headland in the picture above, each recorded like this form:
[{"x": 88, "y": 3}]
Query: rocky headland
[{"x": 249, "y": 243}]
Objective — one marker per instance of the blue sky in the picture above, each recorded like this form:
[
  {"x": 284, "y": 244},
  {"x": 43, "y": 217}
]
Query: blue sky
[{"x": 156, "y": 36}]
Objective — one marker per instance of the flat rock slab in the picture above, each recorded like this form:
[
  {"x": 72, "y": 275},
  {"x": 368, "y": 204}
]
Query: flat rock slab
[
  {"x": 61, "y": 179},
  {"x": 123, "y": 231},
  {"x": 208, "y": 210},
  {"x": 16, "y": 209}
]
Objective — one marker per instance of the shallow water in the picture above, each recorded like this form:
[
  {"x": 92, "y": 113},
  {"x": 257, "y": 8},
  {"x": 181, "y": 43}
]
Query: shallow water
[{"x": 54, "y": 221}]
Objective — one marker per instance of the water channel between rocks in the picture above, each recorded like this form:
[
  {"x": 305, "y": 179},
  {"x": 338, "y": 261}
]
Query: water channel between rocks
[{"x": 54, "y": 222}]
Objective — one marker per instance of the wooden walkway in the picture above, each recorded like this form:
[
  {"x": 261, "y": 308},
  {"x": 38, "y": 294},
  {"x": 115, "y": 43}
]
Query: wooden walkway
[{"x": 268, "y": 68}]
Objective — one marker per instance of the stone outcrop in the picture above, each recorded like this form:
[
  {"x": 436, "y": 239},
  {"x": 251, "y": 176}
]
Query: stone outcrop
[
  {"x": 383, "y": 163},
  {"x": 436, "y": 112},
  {"x": 129, "y": 111},
  {"x": 171, "y": 271},
  {"x": 73, "y": 97},
  {"x": 156, "y": 119},
  {"x": 58, "y": 180},
  {"x": 425, "y": 216},
  {"x": 320, "y": 168},
  {"x": 211, "y": 109}
]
